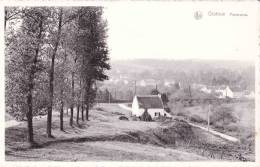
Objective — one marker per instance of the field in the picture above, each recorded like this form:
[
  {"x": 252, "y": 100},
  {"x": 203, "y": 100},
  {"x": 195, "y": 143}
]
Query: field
[
  {"x": 240, "y": 125},
  {"x": 105, "y": 137}
]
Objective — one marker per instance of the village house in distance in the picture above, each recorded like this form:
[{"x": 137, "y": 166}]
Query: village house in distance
[
  {"x": 151, "y": 103},
  {"x": 224, "y": 91}
]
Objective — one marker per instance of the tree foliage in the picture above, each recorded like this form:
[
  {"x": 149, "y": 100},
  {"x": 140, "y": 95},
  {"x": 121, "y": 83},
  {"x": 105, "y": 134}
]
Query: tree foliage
[{"x": 54, "y": 57}]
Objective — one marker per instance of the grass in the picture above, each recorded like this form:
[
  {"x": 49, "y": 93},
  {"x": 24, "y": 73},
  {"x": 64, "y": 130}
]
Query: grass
[
  {"x": 105, "y": 137},
  {"x": 244, "y": 111},
  {"x": 242, "y": 127},
  {"x": 105, "y": 151}
]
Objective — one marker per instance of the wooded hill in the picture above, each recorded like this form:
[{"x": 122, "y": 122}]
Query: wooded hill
[{"x": 234, "y": 73}]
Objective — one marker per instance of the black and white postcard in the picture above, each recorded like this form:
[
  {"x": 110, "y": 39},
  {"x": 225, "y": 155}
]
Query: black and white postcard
[{"x": 137, "y": 83}]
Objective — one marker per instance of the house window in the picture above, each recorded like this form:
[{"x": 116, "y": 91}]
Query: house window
[{"x": 157, "y": 114}]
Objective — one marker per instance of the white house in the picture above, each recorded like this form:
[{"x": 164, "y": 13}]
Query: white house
[
  {"x": 205, "y": 90},
  {"x": 153, "y": 104},
  {"x": 169, "y": 83},
  {"x": 224, "y": 92},
  {"x": 250, "y": 95}
]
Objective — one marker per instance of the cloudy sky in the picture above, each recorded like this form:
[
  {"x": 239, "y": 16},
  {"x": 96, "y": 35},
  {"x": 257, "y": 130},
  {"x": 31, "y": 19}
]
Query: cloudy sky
[{"x": 170, "y": 31}]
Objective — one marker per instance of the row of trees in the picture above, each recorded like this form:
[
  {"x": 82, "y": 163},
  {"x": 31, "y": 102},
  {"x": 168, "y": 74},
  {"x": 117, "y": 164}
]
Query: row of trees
[{"x": 54, "y": 56}]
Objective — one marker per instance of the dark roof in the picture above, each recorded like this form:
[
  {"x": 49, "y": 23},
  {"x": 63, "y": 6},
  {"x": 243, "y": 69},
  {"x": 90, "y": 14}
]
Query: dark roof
[{"x": 152, "y": 101}]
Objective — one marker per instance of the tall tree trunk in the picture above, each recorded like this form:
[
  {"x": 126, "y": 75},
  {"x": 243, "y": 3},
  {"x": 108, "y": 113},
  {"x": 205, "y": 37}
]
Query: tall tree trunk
[
  {"x": 61, "y": 112},
  {"x": 82, "y": 97},
  {"x": 29, "y": 113},
  {"x": 82, "y": 111},
  {"x": 49, "y": 116},
  {"x": 71, "y": 115},
  {"x": 78, "y": 113},
  {"x": 5, "y": 18},
  {"x": 87, "y": 100},
  {"x": 87, "y": 110},
  {"x": 61, "y": 116},
  {"x": 72, "y": 103}
]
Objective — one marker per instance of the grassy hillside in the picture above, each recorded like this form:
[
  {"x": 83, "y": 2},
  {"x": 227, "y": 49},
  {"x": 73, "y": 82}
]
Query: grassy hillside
[
  {"x": 105, "y": 137},
  {"x": 241, "y": 126}
]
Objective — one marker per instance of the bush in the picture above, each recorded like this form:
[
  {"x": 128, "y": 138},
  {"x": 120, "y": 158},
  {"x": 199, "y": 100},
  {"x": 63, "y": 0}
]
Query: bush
[
  {"x": 231, "y": 127},
  {"x": 167, "y": 109},
  {"x": 146, "y": 116},
  {"x": 223, "y": 114},
  {"x": 124, "y": 118},
  {"x": 99, "y": 109},
  {"x": 179, "y": 119},
  {"x": 218, "y": 125},
  {"x": 181, "y": 114},
  {"x": 197, "y": 119},
  {"x": 162, "y": 119}
]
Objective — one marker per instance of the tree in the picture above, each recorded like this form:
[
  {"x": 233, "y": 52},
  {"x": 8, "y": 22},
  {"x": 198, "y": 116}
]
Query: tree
[
  {"x": 225, "y": 115},
  {"x": 154, "y": 92},
  {"x": 92, "y": 47},
  {"x": 146, "y": 116},
  {"x": 62, "y": 86},
  {"x": 73, "y": 59},
  {"x": 54, "y": 57},
  {"x": 55, "y": 43},
  {"x": 165, "y": 99},
  {"x": 11, "y": 13},
  {"x": 25, "y": 54}
]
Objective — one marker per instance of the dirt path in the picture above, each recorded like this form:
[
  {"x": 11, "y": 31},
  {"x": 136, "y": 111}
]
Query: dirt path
[
  {"x": 125, "y": 107},
  {"x": 222, "y": 135},
  {"x": 11, "y": 123}
]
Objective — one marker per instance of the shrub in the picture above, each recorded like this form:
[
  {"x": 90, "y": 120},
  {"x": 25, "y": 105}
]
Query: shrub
[
  {"x": 124, "y": 118},
  {"x": 218, "y": 125},
  {"x": 197, "y": 119},
  {"x": 162, "y": 119},
  {"x": 179, "y": 119},
  {"x": 223, "y": 114},
  {"x": 181, "y": 114},
  {"x": 167, "y": 109},
  {"x": 231, "y": 127},
  {"x": 99, "y": 109},
  {"x": 146, "y": 116}
]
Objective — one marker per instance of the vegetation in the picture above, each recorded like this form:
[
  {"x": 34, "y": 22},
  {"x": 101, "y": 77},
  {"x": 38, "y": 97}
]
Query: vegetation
[
  {"x": 235, "y": 118},
  {"x": 57, "y": 58},
  {"x": 239, "y": 75},
  {"x": 146, "y": 116},
  {"x": 107, "y": 137},
  {"x": 54, "y": 57}
]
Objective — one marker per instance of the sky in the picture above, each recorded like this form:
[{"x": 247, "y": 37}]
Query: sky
[{"x": 170, "y": 31}]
